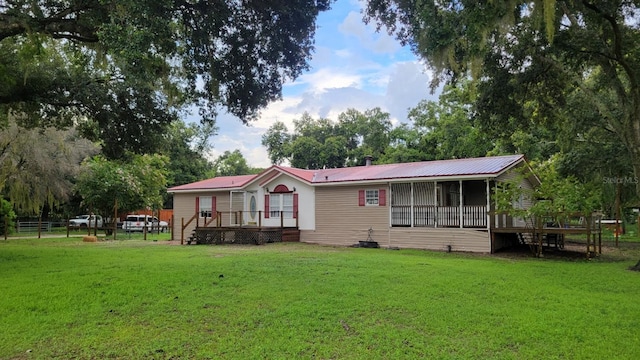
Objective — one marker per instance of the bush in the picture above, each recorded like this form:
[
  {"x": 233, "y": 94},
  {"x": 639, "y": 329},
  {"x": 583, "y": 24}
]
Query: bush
[{"x": 7, "y": 217}]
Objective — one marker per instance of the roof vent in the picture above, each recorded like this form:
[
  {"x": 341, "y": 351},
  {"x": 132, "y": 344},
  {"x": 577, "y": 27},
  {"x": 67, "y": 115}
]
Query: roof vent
[{"x": 367, "y": 160}]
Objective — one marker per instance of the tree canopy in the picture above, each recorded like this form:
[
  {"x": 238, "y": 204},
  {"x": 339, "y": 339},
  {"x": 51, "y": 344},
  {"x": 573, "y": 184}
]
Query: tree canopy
[
  {"x": 38, "y": 167},
  {"x": 123, "y": 70},
  {"x": 231, "y": 163},
  {"x": 533, "y": 59},
  {"x": 137, "y": 184},
  {"x": 320, "y": 143}
]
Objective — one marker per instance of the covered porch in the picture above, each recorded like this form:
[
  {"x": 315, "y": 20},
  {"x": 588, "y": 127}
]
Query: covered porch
[{"x": 444, "y": 204}]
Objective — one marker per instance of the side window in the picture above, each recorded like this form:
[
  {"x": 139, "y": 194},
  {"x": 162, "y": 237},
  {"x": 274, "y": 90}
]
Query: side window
[
  {"x": 371, "y": 197},
  {"x": 205, "y": 207}
]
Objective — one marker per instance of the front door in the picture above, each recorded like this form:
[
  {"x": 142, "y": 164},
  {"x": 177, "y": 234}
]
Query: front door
[{"x": 251, "y": 209}]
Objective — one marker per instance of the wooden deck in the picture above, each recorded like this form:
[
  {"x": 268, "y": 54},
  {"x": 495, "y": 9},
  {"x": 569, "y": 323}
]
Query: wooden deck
[
  {"x": 243, "y": 235},
  {"x": 538, "y": 238}
]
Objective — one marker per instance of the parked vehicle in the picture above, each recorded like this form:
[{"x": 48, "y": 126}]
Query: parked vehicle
[
  {"x": 84, "y": 221},
  {"x": 138, "y": 222}
]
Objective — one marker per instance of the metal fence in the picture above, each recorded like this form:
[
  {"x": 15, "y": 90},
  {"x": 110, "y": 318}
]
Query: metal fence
[{"x": 35, "y": 226}]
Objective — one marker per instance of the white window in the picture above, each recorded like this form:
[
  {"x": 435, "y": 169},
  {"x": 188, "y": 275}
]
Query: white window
[
  {"x": 287, "y": 206},
  {"x": 371, "y": 197},
  {"x": 274, "y": 205},
  {"x": 281, "y": 202},
  {"x": 205, "y": 206}
]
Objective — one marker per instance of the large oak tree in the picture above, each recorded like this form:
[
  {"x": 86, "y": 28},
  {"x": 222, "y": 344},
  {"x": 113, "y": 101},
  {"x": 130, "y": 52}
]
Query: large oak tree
[
  {"x": 531, "y": 57},
  {"x": 125, "y": 69}
]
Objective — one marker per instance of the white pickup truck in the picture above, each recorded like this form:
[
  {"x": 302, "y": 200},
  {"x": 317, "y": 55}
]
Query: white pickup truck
[
  {"x": 137, "y": 223},
  {"x": 84, "y": 221}
]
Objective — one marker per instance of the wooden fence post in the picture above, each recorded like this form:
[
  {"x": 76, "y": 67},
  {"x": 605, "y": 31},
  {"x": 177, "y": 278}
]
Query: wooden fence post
[{"x": 182, "y": 233}]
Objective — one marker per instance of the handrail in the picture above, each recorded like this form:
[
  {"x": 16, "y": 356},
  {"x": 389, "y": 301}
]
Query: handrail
[
  {"x": 184, "y": 226},
  {"x": 562, "y": 219},
  {"x": 206, "y": 223}
]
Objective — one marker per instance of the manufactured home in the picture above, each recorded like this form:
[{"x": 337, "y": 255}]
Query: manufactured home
[{"x": 438, "y": 205}]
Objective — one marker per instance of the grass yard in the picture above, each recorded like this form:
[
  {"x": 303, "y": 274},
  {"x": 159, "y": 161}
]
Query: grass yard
[{"x": 134, "y": 299}]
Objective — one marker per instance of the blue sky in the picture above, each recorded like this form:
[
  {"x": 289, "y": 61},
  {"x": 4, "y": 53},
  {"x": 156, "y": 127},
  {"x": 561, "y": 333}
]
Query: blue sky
[{"x": 353, "y": 66}]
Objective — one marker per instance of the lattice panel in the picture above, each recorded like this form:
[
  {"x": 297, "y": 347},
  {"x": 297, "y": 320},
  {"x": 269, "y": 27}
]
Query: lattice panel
[{"x": 237, "y": 236}]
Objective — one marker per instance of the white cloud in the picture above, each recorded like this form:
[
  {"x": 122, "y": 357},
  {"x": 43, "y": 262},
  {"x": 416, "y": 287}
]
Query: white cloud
[
  {"x": 283, "y": 111},
  {"x": 408, "y": 85},
  {"x": 378, "y": 42},
  {"x": 352, "y": 67},
  {"x": 404, "y": 85},
  {"x": 245, "y": 138},
  {"x": 328, "y": 78}
]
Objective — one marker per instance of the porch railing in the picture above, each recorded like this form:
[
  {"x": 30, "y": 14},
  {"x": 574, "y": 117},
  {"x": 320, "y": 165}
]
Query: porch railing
[
  {"x": 246, "y": 218},
  {"x": 242, "y": 219},
  {"x": 473, "y": 216}
]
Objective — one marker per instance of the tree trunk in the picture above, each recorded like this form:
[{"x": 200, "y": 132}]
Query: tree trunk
[
  {"x": 633, "y": 141},
  {"x": 633, "y": 145},
  {"x": 635, "y": 159}
]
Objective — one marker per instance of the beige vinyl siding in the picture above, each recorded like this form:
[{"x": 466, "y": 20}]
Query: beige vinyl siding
[
  {"x": 526, "y": 185},
  {"x": 468, "y": 240},
  {"x": 223, "y": 205},
  {"x": 339, "y": 219},
  {"x": 184, "y": 208}
]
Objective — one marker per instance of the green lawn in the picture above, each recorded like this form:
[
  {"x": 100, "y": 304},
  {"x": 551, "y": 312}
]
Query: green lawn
[{"x": 134, "y": 299}]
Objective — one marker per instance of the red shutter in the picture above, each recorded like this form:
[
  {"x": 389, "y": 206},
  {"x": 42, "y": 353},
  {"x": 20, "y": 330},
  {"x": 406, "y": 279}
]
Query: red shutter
[
  {"x": 213, "y": 207},
  {"x": 197, "y": 205},
  {"x": 361, "y": 198},
  {"x": 266, "y": 206},
  {"x": 382, "y": 197},
  {"x": 295, "y": 206}
]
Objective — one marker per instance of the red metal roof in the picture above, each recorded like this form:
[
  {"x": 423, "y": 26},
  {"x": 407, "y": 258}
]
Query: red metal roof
[
  {"x": 489, "y": 166},
  {"x": 220, "y": 182},
  {"x": 306, "y": 175},
  {"x": 425, "y": 169}
]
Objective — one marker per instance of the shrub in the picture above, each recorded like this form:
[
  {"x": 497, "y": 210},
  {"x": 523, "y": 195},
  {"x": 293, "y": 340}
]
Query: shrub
[{"x": 7, "y": 217}]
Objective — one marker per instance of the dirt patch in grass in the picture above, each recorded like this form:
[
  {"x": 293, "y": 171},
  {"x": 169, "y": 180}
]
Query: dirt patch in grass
[{"x": 576, "y": 251}]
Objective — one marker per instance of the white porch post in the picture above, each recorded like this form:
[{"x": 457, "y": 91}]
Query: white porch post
[
  {"x": 390, "y": 205},
  {"x": 498, "y": 218},
  {"x": 488, "y": 205},
  {"x": 460, "y": 203},
  {"x": 435, "y": 201},
  {"x": 411, "y": 209}
]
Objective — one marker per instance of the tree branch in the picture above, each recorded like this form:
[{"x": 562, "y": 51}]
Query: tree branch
[
  {"x": 597, "y": 101},
  {"x": 57, "y": 26},
  {"x": 617, "y": 38}
]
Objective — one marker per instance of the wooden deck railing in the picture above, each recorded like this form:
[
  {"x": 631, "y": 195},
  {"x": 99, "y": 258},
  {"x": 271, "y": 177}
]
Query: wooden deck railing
[
  {"x": 565, "y": 220},
  {"x": 242, "y": 219}
]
